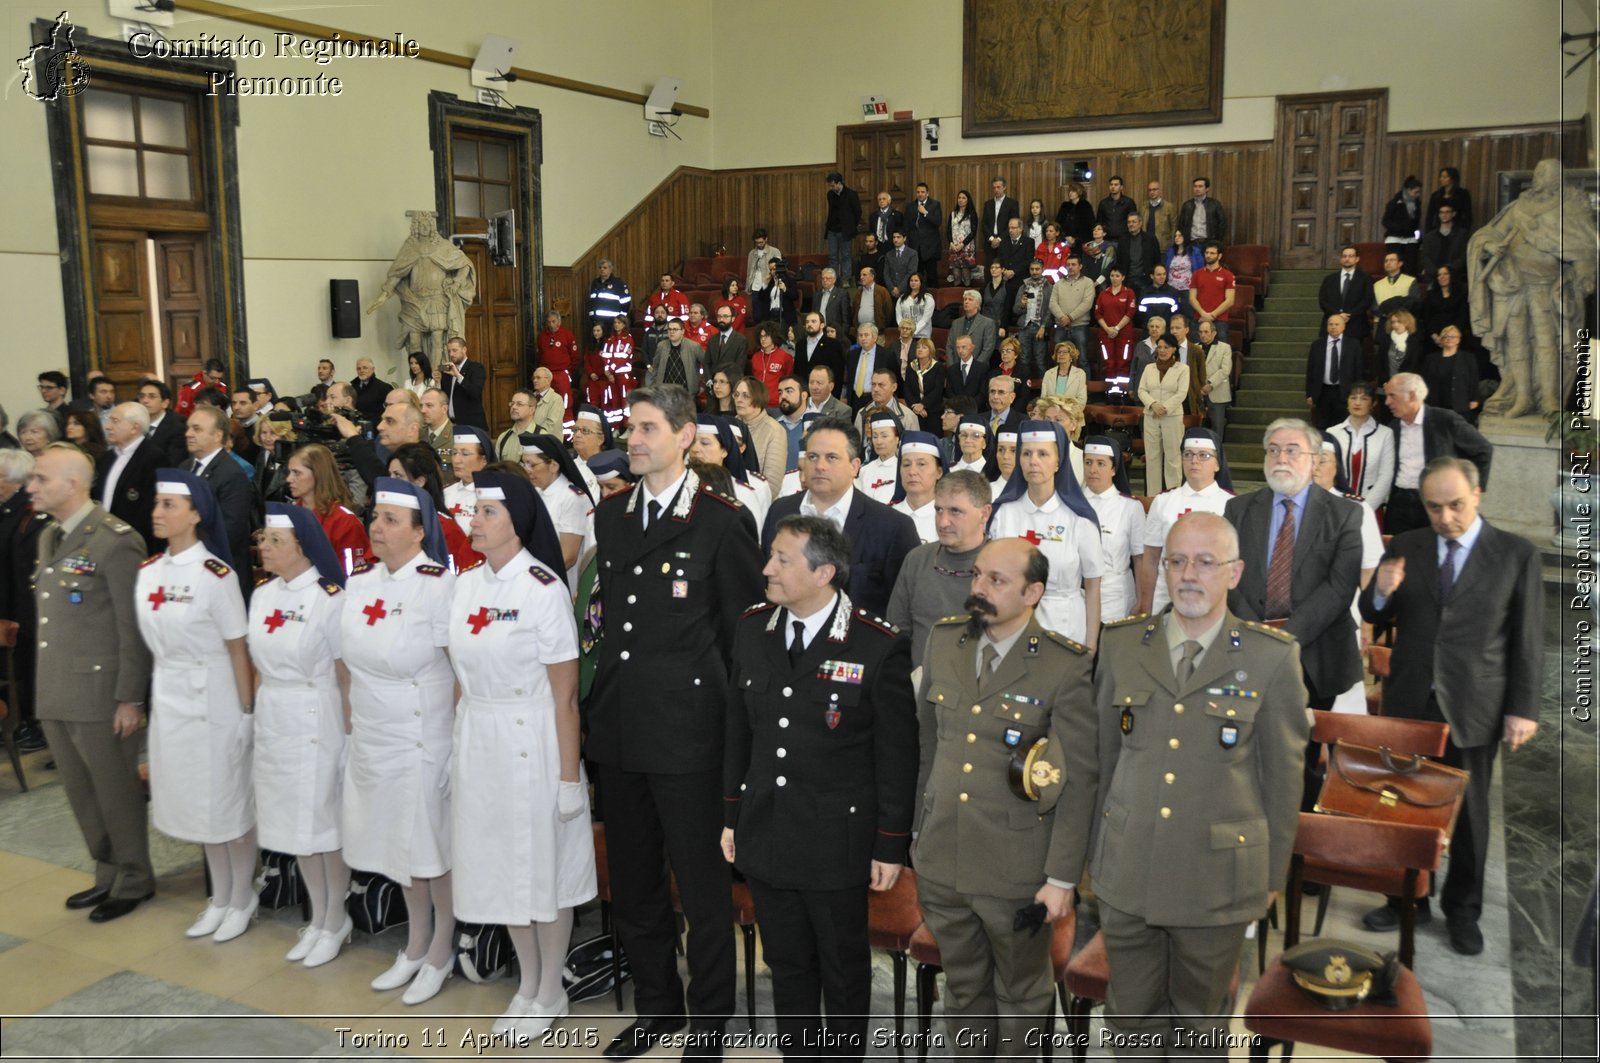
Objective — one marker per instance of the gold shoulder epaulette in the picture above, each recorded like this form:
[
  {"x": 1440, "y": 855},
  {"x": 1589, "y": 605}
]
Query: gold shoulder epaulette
[
  {"x": 878, "y": 622},
  {"x": 331, "y": 588},
  {"x": 952, "y": 620},
  {"x": 363, "y": 567},
  {"x": 1062, "y": 640},
  {"x": 217, "y": 568},
  {"x": 263, "y": 579},
  {"x": 1136, "y": 618},
  {"x": 1267, "y": 629},
  {"x": 476, "y": 564},
  {"x": 431, "y": 570},
  {"x": 152, "y": 559}
]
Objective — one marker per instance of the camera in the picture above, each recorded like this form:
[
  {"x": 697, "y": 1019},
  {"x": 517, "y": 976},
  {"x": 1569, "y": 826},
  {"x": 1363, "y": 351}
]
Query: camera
[{"x": 311, "y": 425}]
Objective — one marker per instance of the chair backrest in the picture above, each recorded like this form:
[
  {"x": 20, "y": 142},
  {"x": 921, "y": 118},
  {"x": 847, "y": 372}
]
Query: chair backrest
[
  {"x": 1412, "y": 737},
  {"x": 1247, "y": 258},
  {"x": 1368, "y": 843},
  {"x": 1378, "y": 660},
  {"x": 1371, "y": 253},
  {"x": 8, "y": 633}
]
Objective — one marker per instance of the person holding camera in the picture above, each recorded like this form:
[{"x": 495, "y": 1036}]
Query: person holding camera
[{"x": 776, "y": 301}]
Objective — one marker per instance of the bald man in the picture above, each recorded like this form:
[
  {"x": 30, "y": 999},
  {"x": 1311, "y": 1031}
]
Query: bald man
[{"x": 92, "y": 709}]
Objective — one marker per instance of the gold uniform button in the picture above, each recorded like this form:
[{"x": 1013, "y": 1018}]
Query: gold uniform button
[
  {"x": 1166, "y": 813},
  {"x": 1172, "y": 743},
  {"x": 1170, "y": 778},
  {"x": 963, "y": 798},
  {"x": 1231, "y": 712},
  {"x": 977, "y": 710},
  {"x": 971, "y": 738},
  {"x": 1178, "y": 709},
  {"x": 1241, "y": 839},
  {"x": 941, "y": 697},
  {"x": 966, "y": 769}
]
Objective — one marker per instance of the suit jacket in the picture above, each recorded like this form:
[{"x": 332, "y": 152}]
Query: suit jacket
[
  {"x": 899, "y": 263},
  {"x": 731, "y": 355},
  {"x": 976, "y": 384},
  {"x": 1216, "y": 219},
  {"x": 135, "y": 498},
  {"x": 169, "y": 443},
  {"x": 1481, "y": 652},
  {"x": 923, "y": 231},
  {"x": 466, "y": 395},
  {"x": 882, "y": 306},
  {"x": 983, "y": 333},
  {"x": 835, "y": 309},
  {"x": 672, "y": 598},
  {"x": 976, "y": 835},
  {"x": 883, "y": 358},
  {"x": 1136, "y": 257},
  {"x": 1015, "y": 257},
  {"x": 880, "y": 538},
  {"x": 1317, "y": 364},
  {"x": 690, "y": 355},
  {"x": 1206, "y": 848},
  {"x": 1446, "y": 433},
  {"x": 927, "y": 390},
  {"x": 369, "y": 395},
  {"x": 85, "y": 584},
  {"x": 829, "y": 352},
  {"x": 1011, "y": 422},
  {"x": 1356, "y": 300},
  {"x": 848, "y": 757},
  {"x": 889, "y": 221},
  {"x": 1325, "y": 578},
  {"x": 1159, "y": 221},
  {"x": 992, "y": 222},
  {"x": 236, "y": 499},
  {"x": 788, "y": 303}
]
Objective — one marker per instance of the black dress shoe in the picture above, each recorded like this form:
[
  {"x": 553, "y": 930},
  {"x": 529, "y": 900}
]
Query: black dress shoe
[
  {"x": 1387, "y": 918},
  {"x": 643, "y": 1035},
  {"x": 116, "y": 908},
  {"x": 88, "y": 898},
  {"x": 1465, "y": 937}
]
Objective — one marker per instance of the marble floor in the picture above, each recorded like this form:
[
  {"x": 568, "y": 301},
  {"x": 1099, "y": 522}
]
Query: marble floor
[{"x": 138, "y": 988}]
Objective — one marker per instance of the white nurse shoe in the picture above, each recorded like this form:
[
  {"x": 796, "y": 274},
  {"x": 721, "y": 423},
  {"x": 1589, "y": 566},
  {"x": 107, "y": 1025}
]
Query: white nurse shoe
[
  {"x": 427, "y": 984},
  {"x": 399, "y": 974},
  {"x": 236, "y": 922},
  {"x": 208, "y": 922},
  {"x": 328, "y": 943}
]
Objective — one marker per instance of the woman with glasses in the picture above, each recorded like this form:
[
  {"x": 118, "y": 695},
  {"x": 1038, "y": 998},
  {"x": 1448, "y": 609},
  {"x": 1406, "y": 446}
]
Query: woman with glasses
[
  {"x": 191, "y": 613},
  {"x": 302, "y": 702},
  {"x": 1206, "y": 487},
  {"x": 469, "y": 455}
]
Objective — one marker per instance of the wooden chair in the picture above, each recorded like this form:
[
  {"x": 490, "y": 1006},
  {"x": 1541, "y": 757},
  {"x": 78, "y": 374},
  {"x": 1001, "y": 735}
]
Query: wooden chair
[
  {"x": 602, "y": 871},
  {"x": 1251, "y": 264},
  {"x": 8, "y": 723},
  {"x": 744, "y": 917},
  {"x": 893, "y": 916},
  {"x": 1371, "y": 257},
  {"x": 1279, "y": 1012}
]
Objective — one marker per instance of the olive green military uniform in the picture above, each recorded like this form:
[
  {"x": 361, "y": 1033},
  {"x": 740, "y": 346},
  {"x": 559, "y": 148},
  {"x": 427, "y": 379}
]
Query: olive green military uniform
[
  {"x": 982, "y": 851},
  {"x": 91, "y": 657},
  {"x": 1199, "y": 796},
  {"x": 443, "y": 443}
]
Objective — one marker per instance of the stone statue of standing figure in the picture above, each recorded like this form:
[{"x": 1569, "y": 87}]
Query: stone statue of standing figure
[
  {"x": 435, "y": 282},
  {"x": 1528, "y": 272}
]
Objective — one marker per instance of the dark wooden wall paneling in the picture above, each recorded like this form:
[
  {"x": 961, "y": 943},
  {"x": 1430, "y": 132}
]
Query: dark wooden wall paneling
[{"x": 693, "y": 210}]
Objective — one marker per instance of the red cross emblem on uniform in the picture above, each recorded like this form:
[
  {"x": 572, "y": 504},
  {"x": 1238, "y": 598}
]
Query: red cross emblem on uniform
[
  {"x": 1033, "y": 537},
  {"x": 375, "y": 612},
  {"x": 156, "y": 599},
  {"x": 479, "y": 620},
  {"x": 455, "y": 510},
  {"x": 275, "y": 621},
  {"x": 1186, "y": 512}
]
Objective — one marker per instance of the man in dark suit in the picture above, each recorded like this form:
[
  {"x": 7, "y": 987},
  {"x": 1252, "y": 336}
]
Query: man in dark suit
[
  {"x": 463, "y": 381},
  {"x": 880, "y": 537},
  {"x": 898, "y": 266},
  {"x": 1467, "y": 603},
  {"x": 1347, "y": 291},
  {"x": 1333, "y": 364},
  {"x": 886, "y": 220},
  {"x": 1421, "y": 434},
  {"x": 968, "y": 372},
  {"x": 235, "y": 495},
  {"x": 680, "y": 564},
  {"x": 844, "y": 218},
  {"x": 166, "y": 428},
  {"x": 125, "y": 475},
  {"x": 815, "y": 347},
  {"x": 997, "y": 213},
  {"x": 1137, "y": 254},
  {"x": 818, "y": 807},
  {"x": 868, "y": 356},
  {"x": 830, "y": 301},
  {"x": 367, "y": 391},
  {"x": 727, "y": 349},
  {"x": 924, "y": 216},
  {"x": 1015, "y": 254},
  {"x": 1003, "y": 414}
]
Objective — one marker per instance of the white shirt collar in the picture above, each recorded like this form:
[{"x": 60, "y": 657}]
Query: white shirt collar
[
  {"x": 812, "y": 624},
  {"x": 836, "y": 512},
  {"x": 666, "y": 497}
]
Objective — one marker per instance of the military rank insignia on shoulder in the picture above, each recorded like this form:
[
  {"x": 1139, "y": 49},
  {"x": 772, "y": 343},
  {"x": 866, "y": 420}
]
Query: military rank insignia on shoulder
[
  {"x": 119, "y": 527},
  {"x": 540, "y": 573},
  {"x": 952, "y": 620},
  {"x": 731, "y": 503},
  {"x": 759, "y": 607},
  {"x": 330, "y": 588},
  {"x": 431, "y": 570},
  {"x": 361, "y": 568},
  {"x": 1134, "y": 619},
  {"x": 876, "y": 621},
  {"x": 152, "y": 559},
  {"x": 263, "y": 579},
  {"x": 217, "y": 568},
  {"x": 1062, "y": 640},
  {"x": 476, "y": 564},
  {"x": 1268, "y": 629}
]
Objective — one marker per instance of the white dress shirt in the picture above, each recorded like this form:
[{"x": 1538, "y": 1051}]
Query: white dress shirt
[
  {"x": 124, "y": 455},
  {"x": 836, "y": 512}
]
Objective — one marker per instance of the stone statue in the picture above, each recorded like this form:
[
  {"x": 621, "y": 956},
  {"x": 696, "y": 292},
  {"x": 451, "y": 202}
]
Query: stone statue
[
  {"x": 435, "y": 282},
  {"x": 1529, "y": 271}
]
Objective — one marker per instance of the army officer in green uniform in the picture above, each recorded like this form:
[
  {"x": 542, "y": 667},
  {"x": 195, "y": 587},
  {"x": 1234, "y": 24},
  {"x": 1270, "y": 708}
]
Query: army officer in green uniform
[
  {"x": 92, "y": 706},
  {"x": 1005, "y": 707},
  {"x": 1202, "y": 733}
]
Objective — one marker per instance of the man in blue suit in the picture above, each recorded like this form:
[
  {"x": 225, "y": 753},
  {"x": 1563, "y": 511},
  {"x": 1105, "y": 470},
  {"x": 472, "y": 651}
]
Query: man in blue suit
[{"x": 880, "y": 537}]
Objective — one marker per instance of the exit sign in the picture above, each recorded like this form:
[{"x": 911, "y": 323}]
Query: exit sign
[{"x": 874, "y": 108}]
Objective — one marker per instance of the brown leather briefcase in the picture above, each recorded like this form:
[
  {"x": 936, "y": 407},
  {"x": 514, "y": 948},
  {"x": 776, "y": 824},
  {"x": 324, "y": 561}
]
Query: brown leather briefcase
[{"x": 1380, "y": 784}]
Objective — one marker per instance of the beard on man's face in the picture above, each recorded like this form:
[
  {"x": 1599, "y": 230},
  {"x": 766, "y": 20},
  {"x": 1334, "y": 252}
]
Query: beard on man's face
[
  {"x": 786, "y": 407},
  {"x": 979, "y": 613}
]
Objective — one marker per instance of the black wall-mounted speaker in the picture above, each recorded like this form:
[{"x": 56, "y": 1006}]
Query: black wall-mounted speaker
[{"x": 344, "y": 299}]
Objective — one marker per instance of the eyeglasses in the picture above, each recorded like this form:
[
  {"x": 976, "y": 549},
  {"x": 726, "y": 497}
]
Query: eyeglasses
[
  {"x": 49, "y": 387},
  {"x": 587, "y": 432},
  {"x": 1206, "y": 566},
  {"x": 1292, "y": 452}
]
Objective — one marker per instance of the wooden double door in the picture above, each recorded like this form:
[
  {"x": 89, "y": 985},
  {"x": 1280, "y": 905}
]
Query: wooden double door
[
  {"x": 152, "y": 305},
  {"x": 1328, "y": 150},
  {"x": 879, "y": 157}
]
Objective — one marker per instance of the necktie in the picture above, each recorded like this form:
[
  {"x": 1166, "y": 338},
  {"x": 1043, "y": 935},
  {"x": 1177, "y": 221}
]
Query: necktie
[
  {"x": 1191, "y": 650},
  {"x": 987, "y": 658},
  {"x": 1344, "y": 283},
  {"x": 1280, "y": 574},
  {"x": 194, "y": 466},
  {"x": 797, "y": 645},
  {"x": 654, "y": 510},
  {"x": 964, "y": 367},
  {"x": 1333, "y": 363},
  {"x": 1447, "y": 572},
  {"x": 864, "y": 372}
]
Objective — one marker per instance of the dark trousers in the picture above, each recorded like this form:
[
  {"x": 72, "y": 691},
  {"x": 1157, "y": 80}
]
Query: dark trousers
[
  {"x": 1330, "y": 406},
  {"x": 1404, "y": 511},
  {"x": 100, "y": 773},
  {"x": 653, "y": 820},
  {"x": 1462, "y": 895},
  {"x": 815, "y": 942},
  {"x": 1314, "y": 771}
]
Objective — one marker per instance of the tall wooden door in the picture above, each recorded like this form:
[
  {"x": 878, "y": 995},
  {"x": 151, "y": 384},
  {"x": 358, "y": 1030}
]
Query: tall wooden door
[
  {"x": 1332, "y": 187},
  {"x": 486, "y": 173},
  {"x": 152, "y": 306},
  {"x": 879, "y": 157}
]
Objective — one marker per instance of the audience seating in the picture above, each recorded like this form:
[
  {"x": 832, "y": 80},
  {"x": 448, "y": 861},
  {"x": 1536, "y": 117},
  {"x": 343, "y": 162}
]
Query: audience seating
[
  {"x": 1250, "y": 264},
  {"x": 744, "y": 917},
  {"x": 893, "y": 917},
  {"x": 602, "y": 871},
  {"x": 697, "y": 270},
  {"x": 1371, "y": 260},
  {"x": 1242, "y": 316},
  {"x": 1279, "y": 1012},
  {"x": 8, "y": 723}
]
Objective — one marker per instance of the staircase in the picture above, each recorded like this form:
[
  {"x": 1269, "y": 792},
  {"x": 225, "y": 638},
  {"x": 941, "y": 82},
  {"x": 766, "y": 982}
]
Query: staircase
[{"x": 1273, "y": 383}]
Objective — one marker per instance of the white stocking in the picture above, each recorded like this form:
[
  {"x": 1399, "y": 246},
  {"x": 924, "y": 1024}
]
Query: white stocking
[{"x": 242, "y": 863}]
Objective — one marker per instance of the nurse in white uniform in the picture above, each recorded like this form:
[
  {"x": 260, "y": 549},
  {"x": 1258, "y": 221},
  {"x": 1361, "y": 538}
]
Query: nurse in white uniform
[
  {"x": 1206, "y": 488},
  {"x": 302, "y": 717},
  {"x": 879, "y": 475},
  {"x": 470, "y": 450},
  {"x": 1005, "y": 461},
  {"x": 715, "y": 444},
  {"x": 1044, "y": 504},
  {"x": 524, "y": 850},
  {"x": 1105, "y": 485},
  {"x": 566, "y": 496},
  {"x": 1329, "y": 474},
  {"x": 396, "y": 811},
  {"x": 191, "y": 614},
  {"x": 921, "y": 466}
]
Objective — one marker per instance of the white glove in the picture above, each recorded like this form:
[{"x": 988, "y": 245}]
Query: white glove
[{"x": 572, "y": 799}]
